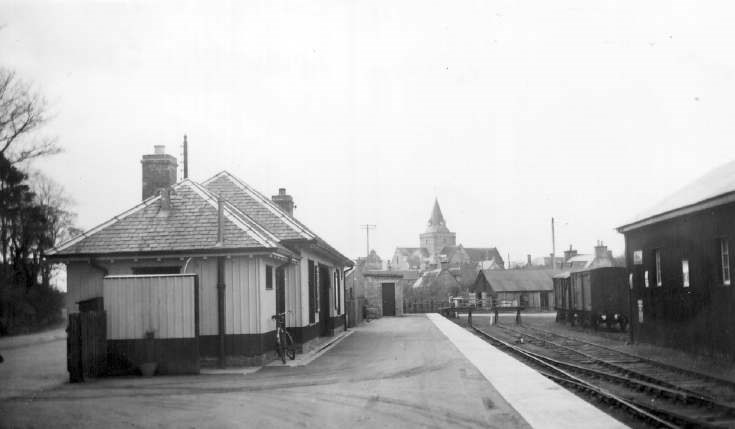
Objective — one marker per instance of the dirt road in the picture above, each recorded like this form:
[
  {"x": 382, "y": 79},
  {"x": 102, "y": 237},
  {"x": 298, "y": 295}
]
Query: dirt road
[
  {"x": 32, "y": 363},
  {"x": 393, "y": 372}
]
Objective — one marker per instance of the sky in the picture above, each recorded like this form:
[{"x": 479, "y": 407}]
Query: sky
[{"x": 510, "y": 113}]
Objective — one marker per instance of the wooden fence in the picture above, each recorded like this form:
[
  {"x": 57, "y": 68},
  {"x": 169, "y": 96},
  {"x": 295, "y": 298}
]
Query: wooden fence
[
  {"x": 86, "y": 345},
  {"x": 430, "y": 306}
]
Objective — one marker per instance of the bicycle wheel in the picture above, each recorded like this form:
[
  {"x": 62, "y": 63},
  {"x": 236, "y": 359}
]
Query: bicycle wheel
[
  {"x": 280, "y": 349},
  {"x": 290, "y": 348}
]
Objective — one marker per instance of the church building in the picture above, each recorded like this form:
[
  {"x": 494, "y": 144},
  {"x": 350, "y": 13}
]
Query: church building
[{"x": 438, "y": 247}]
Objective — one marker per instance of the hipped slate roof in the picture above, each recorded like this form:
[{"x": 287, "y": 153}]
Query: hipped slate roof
[
  {"x": 714, "y": 188},
  {"x": 190, "y": 224},
  {"x": 258, "y": 206},
  {"x": 252, "y": 222},
  {"x": 267, "y": 213},
  {"x": 519, "y": 280}
]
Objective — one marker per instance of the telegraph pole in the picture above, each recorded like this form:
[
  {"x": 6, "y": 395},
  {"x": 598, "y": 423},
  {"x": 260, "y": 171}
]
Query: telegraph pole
[
  {"x": 553, "y": 245},
  {"x": 367, "y": 227}
]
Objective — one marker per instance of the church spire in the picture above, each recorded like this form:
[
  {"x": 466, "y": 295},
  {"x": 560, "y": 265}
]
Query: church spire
[
  {"x": 437, "y": 222},
  {"x": 437, "y": 219}
]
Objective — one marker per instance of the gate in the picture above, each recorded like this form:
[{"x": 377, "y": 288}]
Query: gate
[{"x": 86, "y": 345}]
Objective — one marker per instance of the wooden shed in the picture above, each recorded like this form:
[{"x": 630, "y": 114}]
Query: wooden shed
[
  {"x": 679, "y": 262},
  {"x": 532, "y": 289}
]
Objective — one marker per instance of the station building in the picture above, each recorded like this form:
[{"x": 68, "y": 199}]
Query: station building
[{"x": 252, "y": 259}]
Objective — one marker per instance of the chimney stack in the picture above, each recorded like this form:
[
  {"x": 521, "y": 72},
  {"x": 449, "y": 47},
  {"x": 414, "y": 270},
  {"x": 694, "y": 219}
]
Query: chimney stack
[
  {"x": 568, "y": 254},
  {"x": 601, "y": 251},
  {"x": 529, "y": 260},
  {"x": 159, "y": 171},
  {"x": 284, "y": 201}
]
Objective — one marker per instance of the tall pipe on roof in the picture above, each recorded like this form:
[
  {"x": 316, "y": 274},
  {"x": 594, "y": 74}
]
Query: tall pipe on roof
[
  {"x": 186, "y": 158},
  {"x": 553, "y": 246}
]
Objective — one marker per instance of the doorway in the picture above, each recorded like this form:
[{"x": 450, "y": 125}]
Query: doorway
[
  {"x": 389, "y": 299},
  {"x": 280, "y": 290}
]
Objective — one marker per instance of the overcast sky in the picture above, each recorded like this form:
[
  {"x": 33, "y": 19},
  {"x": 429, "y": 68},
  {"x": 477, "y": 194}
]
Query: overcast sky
[{"x": 509, "y": 112}]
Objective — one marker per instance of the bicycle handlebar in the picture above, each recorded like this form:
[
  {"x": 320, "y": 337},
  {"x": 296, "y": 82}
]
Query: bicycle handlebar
[{"x": 277, "y": 315}]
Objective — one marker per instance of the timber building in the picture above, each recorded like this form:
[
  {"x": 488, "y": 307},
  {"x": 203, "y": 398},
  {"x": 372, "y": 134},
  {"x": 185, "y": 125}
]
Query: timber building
[
  {"x": 679, "y": 258},
  {"x": 252, "y": 258}
]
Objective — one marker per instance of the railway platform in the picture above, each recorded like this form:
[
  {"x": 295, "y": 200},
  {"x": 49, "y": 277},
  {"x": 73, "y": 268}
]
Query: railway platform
[{"x": 540, "y": 401}]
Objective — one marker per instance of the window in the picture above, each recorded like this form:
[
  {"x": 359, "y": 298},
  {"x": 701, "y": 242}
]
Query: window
[
  {"x": 337, "y": 292},
  {"x": 645, "y": 277},
  {"x": 657, "y": 254},
  {"x": 630, "y": 280},
  {"x": 268, "y": 277},
  {"x": 725, "y": 260},
  {"x": 685, "y": 272}
]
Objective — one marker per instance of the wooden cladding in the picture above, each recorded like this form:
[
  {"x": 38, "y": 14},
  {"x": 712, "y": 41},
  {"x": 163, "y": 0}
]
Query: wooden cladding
[{"x": 164, "y": 305}]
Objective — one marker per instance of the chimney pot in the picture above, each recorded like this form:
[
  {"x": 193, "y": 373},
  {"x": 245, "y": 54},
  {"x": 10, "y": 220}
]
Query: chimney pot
[
  {"x": 284, "y": 201},
  {"x": 529, "y": 260}
]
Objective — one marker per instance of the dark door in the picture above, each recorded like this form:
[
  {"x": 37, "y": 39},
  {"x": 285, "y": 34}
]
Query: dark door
[
  {"x": 324, "y": 282},
  {"x": 280, "y": 291},
  {"x": 545, "y": 300},
  {"x": 389, "y": 299}
]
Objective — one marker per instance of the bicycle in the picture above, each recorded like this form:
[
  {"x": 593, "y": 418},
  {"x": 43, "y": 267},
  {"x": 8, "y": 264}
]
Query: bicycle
[{"x": 284, "y": 341}]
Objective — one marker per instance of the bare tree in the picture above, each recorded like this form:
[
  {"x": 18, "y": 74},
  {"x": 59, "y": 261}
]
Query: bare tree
[
  {"x": 60, "y": 219},
  {"x": 22, "y": 113}
]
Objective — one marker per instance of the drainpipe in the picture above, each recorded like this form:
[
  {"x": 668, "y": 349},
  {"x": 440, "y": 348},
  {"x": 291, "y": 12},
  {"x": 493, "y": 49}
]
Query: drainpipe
[
  {"x": 344, "y": 292},
  {"x": 221, "y": 309},
  {"x": 220, "y": 283}
]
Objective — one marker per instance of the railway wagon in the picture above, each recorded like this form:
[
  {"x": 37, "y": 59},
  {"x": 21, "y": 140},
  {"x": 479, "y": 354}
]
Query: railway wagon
[{"x": 594, "y": 297}]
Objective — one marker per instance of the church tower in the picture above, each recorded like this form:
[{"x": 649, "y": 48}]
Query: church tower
[{"x": 437, "y": 235}]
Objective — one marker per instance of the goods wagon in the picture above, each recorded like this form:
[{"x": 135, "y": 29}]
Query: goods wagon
[{"x": 595, "y": 297}]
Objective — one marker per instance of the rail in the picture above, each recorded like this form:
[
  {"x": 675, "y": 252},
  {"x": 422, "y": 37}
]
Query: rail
[{"x": 658, "y": 401}]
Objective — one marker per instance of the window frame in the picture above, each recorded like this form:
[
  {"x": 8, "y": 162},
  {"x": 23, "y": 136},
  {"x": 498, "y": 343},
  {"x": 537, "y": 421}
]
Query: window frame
[
  {"x": 685, "y": 277},
  {"x": 725, "y": 262},
  {"x": 269, "y": 280},
  {"x": 657, "y": 259}
]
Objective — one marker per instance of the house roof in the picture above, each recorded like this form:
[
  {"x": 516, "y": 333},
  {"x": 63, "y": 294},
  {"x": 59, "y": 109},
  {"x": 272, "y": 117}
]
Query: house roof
[
  {"x": 429, "y": 278},
  {"x": 476, "y": 254},
  {"x": 190, "y": 224},
  {"x": 414, "y": 255},
  {"x": 519, "y": 280},
  {"x": 715, "y": 188}
]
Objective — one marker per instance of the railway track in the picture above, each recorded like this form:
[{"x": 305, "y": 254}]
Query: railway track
[
  {"x": 656, "y": 395},
  {"x": 698, "y": 384}
]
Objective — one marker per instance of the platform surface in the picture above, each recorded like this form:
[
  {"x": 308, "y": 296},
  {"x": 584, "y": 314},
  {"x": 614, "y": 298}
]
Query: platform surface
[{"x": 540, "y": 401}]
